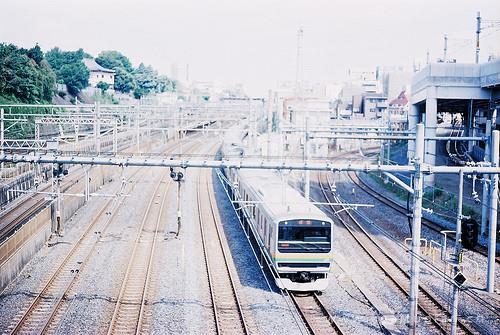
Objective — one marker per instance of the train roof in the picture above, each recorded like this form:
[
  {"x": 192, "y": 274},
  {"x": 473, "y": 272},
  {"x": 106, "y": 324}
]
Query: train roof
[{"x": 281, "y": 200}]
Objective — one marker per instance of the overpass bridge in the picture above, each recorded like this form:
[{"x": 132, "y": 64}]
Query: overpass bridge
[{"x": 471, "y": 90}]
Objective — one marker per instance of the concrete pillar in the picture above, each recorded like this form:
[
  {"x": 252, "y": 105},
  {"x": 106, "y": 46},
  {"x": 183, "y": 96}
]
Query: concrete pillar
[{"x": 430, "y": 131}]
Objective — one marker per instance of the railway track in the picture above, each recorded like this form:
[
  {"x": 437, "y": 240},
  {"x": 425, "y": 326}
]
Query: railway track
[
  {"x": 47, "y": 308},
  {"x": 45, "y": 311},
  {"x": 228, "y": 312},
  {"x": 129, "y": 316},
  {"x": 353, "y": 176},
  {"x": 430, "y": 306},
  {"x": 129, "y": 309},
  {"x": 316, "y": 317}
]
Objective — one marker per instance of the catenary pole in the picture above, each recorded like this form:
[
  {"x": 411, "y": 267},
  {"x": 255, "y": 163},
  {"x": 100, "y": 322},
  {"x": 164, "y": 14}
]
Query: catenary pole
[
  {"x": 307, "y": 184},
  {"x": 458, "y": 250},
  {"x": 485, "y": 195},
  {"x": 416, "y": 226},
  {"x": 495, "y": 147}
]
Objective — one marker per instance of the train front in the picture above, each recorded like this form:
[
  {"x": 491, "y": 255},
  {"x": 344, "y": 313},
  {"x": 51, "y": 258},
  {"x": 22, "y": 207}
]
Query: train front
[{"x": 303, "y": 254}]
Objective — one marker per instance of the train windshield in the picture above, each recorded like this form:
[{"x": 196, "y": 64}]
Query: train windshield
[{"x": 304, "y": 236}]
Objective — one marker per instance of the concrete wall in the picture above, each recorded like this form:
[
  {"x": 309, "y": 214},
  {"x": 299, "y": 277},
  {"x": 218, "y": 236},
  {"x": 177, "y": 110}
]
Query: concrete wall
[{"x": 23, "y": 245}]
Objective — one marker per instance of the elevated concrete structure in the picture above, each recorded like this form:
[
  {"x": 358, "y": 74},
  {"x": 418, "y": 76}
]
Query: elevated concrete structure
[{"x": 472, "y": 90}]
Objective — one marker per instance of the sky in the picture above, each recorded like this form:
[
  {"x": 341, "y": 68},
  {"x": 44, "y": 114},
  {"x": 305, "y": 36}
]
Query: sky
[{"x": 255, "y": 42}]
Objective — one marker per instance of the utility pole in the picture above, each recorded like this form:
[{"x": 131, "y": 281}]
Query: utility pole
[
  {"x": 495, "y": 147},
  {"x": 478, "y": 31},
  {"x": 458, "y": 250},
  {"x": 445, "y": 47},
  {"x": 416, "y": 227}
]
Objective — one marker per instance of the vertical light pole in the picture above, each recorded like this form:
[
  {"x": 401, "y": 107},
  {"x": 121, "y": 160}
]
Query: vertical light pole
[
  {"x": 495, "y": 147},
  {"x": 416, "y": 227},
  {"x": 458, "y": 250}
]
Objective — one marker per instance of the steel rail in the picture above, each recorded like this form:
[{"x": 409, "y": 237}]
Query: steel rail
[
  {"x": 316, "y": 317},
  {"x": 59, "y": 274},
  {"x": 399, "y": 208},
  {"x": 135, "y": 284},
  {"x": 224, "y": 317},
  {"x": 68, "y": 282},
  {"x": 129, "y": 320},
  {"x": 430, "y": 306}
]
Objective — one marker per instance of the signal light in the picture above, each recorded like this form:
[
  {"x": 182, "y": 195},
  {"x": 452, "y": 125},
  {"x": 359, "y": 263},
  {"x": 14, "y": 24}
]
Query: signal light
[
  {"x": 469, "y": 233},
  {"x": 59, "y": 170}
]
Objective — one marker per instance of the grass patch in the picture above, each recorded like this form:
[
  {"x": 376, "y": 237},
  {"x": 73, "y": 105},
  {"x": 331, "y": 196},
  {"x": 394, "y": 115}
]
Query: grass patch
[{"x": 442, "y": 203}]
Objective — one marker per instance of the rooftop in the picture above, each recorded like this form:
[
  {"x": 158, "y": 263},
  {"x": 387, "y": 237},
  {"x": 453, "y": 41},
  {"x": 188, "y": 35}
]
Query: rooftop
[
  {"x": 94, "y": 67},
  {"x": 485, "y": 75}
]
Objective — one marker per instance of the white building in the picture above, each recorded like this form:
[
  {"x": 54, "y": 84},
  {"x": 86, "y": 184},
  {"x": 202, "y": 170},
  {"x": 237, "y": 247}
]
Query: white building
[{"x": 99, "y": 73}]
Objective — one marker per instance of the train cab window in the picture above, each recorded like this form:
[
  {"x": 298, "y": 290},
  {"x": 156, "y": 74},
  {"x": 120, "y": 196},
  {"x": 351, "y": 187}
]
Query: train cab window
[{"x": 304, "y": 236}]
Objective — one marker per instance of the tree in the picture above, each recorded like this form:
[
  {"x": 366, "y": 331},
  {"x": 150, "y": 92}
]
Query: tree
[
  {"x": 148, "y": 81},
  {"x": 102, "y": 86},
  {"x": 24, "y": 78},
  {"x": 36, "y": 54},
  {"x": 113, "y": 60},
  {"x": 145, "y": 78},
  {"x": 124, "y": 80},
  {"x": 69, "y": 68}
]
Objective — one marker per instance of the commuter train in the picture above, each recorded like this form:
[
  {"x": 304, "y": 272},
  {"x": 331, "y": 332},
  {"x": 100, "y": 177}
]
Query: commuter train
[{"x": 293, "y": 234}]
